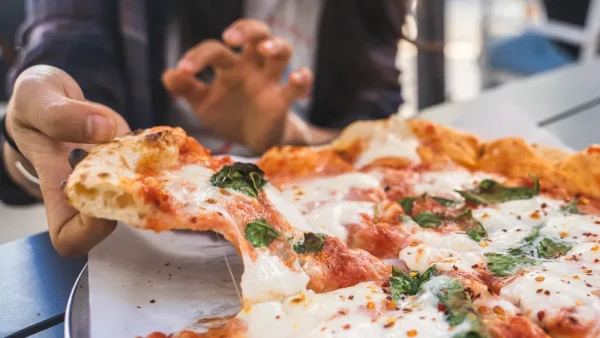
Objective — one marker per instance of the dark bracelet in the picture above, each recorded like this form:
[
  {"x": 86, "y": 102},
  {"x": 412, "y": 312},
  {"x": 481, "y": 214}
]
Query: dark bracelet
[{"x": 7, "y": 138}]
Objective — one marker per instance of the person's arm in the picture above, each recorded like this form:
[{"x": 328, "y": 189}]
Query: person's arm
[{"x": 79, "y": 37}]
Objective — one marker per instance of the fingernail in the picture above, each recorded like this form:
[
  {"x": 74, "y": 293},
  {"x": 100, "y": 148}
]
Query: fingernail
[
  {"x": 299, "y": 76},
  {"x": 186, "y": 65},
  {"x": 233, "y": 35},
  {"x": 269, "y": 45},
  {"x": 75, "y": 156},
  {"x": 99, "y": 128}
]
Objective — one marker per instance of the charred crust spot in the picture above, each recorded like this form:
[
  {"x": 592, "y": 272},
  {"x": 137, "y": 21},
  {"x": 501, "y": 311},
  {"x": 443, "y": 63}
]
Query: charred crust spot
[
  {"x": 103, "y": 175},
  {"x": 76, "y": 156},
  {"x": 154, "y": 137}
]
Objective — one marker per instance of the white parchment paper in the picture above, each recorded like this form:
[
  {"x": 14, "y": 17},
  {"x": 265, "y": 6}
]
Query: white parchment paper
[{"x": 141, "y": 281}]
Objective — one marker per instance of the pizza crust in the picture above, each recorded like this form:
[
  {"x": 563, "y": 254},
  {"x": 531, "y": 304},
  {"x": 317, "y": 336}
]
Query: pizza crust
[
  {"x": 104, "y": 184},
  {"x": 576, "y": 174}
]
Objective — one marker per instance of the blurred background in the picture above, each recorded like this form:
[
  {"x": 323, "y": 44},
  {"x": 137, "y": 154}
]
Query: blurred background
[{"x": 465, "y": 47}]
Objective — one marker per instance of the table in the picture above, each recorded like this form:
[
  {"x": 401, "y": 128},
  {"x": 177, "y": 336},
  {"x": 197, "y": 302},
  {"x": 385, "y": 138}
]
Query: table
[
  {"x": 565, "y": 101},
  {"x": 35, "y": 283}
]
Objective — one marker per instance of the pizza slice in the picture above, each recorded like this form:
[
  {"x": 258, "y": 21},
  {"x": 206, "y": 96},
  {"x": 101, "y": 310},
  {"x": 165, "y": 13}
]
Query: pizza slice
[{"x": 161, "y": 179}]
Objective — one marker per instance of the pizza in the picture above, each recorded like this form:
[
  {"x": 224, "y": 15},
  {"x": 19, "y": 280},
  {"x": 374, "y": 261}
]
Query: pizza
[{"x": 399, "y": 228}]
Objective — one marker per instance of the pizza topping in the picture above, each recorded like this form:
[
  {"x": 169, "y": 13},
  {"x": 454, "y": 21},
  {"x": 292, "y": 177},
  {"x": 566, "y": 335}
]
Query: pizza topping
[
  {"x": 427, "y": 219},
  {"x": 458, "y": 305},
  {"x": 408, "y": 284},
  {"x": 490, "y": 192},
  {"x": 547, "y": 248},
  {"x": 259, "y": 233},
  {"x": 475, "y": 229},
  {"x": 311, "y": 243},
  {"x": 445, "y": 201},
  {"x": 246, "y": 178},
  {"x": 571, "y": 208},
  {"x": 505, "y": 265}
]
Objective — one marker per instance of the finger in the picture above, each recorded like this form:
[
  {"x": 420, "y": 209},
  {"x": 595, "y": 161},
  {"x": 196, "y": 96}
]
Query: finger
[
  {"x": 248, "y": 33},
  {"x": 49, "y": 101},
  {"x": 277, "y": 53},
  {"x": 180, "y": 84},
  {"x": 208, "y": 53},
  {"x": 71, "y": 233},
  {"x": 299, "y": 84}
]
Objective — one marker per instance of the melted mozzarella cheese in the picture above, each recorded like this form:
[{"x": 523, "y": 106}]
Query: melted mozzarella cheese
[
  {"x": 289, "y": 210},
  {"x": 584, "y": 253},
  {"x": 329, "y": 188},
  {"x": 191, "y": 186},
  {"x": 331, "y": 218},
  {"x": 446, "y": 251},
  {"x": 345, "y": 313},
  {"x": 510, "y": 215},
  {"x": 444, "y": 183},
  {"x": 572, "y": 227},
  {"x": 555, "y": 286},
  {"x": 268, "y": 278},
  {"x": 390, "y": 146}
]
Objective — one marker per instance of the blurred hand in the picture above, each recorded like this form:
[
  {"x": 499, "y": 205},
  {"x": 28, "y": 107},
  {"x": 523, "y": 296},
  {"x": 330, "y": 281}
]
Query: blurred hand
[
  {"x": 48, "y": 117},
  {"x": 246, "y": 102}
]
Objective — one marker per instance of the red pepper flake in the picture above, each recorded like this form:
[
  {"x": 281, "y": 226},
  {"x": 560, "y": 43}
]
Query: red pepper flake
[
  {"x": 346, "y": 327},
  {"x": 596, "y": 260},
  {"x": 323, "y": 328},
  {"x": 351, "y": 297},
  {"x": 539, "y": 291},
  {"x": 544, "y": 205},
  {"x": 475, "y": 266},
  {"x": 441, "y": 307},
  {"x": 541, "y": 315},
  {"x": 277, "y": 317},
  {"x": 588, "y": 285},
  {"x": 406, "y": 310},
  {"x": 547, "y": 293},
  {"x": 455, "y": 267},
  {"x": 596, "y": 222},
  {"x": 343, "y": 312}
]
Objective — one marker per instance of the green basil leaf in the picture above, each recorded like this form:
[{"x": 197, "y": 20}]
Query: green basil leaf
[
  {"x": 259, "y": 233},
  {"x": 312, "y": 243},
  {"x": 407, "y": 204},
  {"x": 475, "y": 229},
  {"x": 427, "y": 219},
  {"x": 246, "y": 178},
  {"x": 547, "y": 248},
  {"x": 571, "y": 208},
  {"x": 445, "y": 202},
  {"x": 504, "y": 265},
  {"x": 408, "y": 284},
  {"x": 469, "y": 334},
  {"x": 459, "y": 308},
  {"x": 533, "y": 235},
  {"x": 456, "y": 301},
  {"x": 490, "y": 191}
]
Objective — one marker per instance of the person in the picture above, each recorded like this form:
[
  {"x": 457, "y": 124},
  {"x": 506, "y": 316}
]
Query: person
[{"x": 88, "y": 71}]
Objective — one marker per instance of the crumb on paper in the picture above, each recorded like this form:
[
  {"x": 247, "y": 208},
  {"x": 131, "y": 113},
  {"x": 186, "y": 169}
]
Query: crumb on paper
[
  {"x": 152, "y": 301},
  {"x": 139, "y": 307},
  {"x": 167, "y": 264}
]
